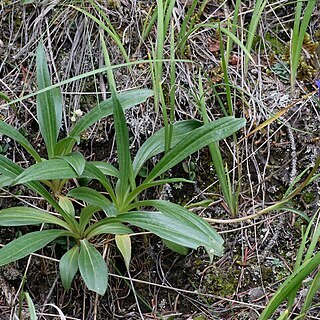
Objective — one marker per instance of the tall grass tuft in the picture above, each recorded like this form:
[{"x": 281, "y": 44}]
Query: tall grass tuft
[{"x": 301, "y": 22}]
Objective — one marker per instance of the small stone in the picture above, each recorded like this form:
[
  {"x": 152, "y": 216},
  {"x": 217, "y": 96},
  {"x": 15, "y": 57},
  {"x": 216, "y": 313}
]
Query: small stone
[{"x": 256, "y": 293}]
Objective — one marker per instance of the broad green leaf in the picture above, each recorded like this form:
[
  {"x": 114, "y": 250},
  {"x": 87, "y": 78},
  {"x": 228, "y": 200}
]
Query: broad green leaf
[
  {"x": 86, "y": 214},
  {"x": 108, "y": 227},
  {"x": 122, "y": 142},
  {"x": 8, "y": 168},
  {"x": 196, "y": 140},
  {"x": 92, "y": 172},
  {"x": 49, "y": 104},
  {"x": 176, "y": 247},
  {"x": 76, "y": 161},
  {"x": 5, "y": 181},
  {"x": 156, "y": 143},
  {"x": 68, "y": 266},
  {"x": 107, "y": 168},
  {"x": 20, "y": 216},
  {"x": 47, "y": 170},
  {"x": 293, "y": 281},
  {"x": 66, "y": 205},
  {"x": 127, "y": 99},
  {"x": 27, "y": 244},
  {"x": 93, "y": 268},
  {"x": 176, "y": 224},
  {"x": 214, "y": 246},
  {"x": 64, "y": 146},
  {"x": 32, "y": 309},
  {"x": 123, "y": 243},
  {"x": 12, "y": 170},
  {"x": 90, "y": 196},
  {"x": 167, "y": 227},
  {"x": 14, "y": 134}
]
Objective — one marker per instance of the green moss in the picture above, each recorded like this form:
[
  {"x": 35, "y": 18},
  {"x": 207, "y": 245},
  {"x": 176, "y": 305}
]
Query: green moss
[
  {"x": 221, "y": 281},
  {"x": 277, "y": 46},
  {"x": 308, "y": 197}
]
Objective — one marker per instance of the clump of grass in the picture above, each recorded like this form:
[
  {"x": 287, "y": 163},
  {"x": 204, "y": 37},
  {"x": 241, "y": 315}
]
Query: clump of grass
[{"x": 301, "y": 22}]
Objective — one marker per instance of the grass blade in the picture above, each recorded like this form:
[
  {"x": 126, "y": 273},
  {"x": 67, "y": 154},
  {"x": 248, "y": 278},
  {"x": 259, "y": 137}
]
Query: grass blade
[
  {"x": 32, "y": 309},
  {"x": 313, "y": 290},
  {"x": 299, "y": 31},
  {"x": 108, "y": 29},
  {"x": 256, "y": 14},
  {"x": 293, "y": 281}
]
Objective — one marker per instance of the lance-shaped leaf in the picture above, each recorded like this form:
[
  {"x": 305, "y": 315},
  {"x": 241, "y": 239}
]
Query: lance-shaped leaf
[
  {"x": 93, "y": 268},
  {"x": 106, "y": 168},
  {"x": 49, "y": 104},
  {"x": 47, "y": 170},
  {"x": 14, "y": 134},
  {"x": 27, "y": 244},
  {"x": 122, "y": 141},
  {"x": 176, "y": 247},
  {"x": 90, "y": 196},
  {"x": 68, "y": 266},
  {"x": 155, "y": 144},
  {"x": 127, "y": 99},
  {"x": 12, "y": 170},
  {"x": 64, "y": 146},
  {"x": 20, "y": 216},
  {"x": 108, "y": 227},
  {"x": 123, "y": 242},
  {"x": 66, "y": 205},
  {"x": 176, "y": 224},
  {"x": 92, "y": 172},
  {"x": 197, "y": 223},
  {"x": 134, "y": 193},
  {"x": 76, "y": 161},
  {"x": 5, "y": 181},
  {"x": 169, "y": 228},
  {"x": 85, "y": 216},
  {"x": 196, "y": 140}
]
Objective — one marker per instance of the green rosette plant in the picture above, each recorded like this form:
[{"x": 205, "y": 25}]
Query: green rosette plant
[{"x": 121, "y": 206}]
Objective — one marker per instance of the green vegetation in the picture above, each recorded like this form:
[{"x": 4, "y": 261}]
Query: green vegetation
[
  {"x": 172, "y": 223},
  {"x": 134, "y": 131}
]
